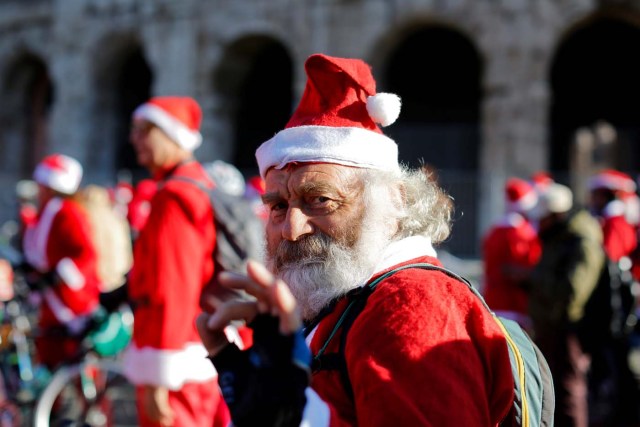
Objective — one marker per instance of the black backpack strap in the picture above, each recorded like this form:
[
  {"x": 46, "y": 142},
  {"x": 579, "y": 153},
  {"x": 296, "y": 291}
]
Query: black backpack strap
[{"x": 358, "y": 299}]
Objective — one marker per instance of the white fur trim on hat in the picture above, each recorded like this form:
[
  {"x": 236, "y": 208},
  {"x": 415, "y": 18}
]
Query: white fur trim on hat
[
  {"x": 63, "y": 181},
  {"x": 611, "y": 182},
  {"x": 175, "y": 129},
  {"x": 557, "y": 198},
  {"x": 613, "y": 209},
  {"x": 349, "y": 146},
  {"x": 524, "y": 204}
]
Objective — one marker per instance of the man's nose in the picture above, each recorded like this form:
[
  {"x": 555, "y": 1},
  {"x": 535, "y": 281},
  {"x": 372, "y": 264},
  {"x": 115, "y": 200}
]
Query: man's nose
[{"x": 296, "y": 225}]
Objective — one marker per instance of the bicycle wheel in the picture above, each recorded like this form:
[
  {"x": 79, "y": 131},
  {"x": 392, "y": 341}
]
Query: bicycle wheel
[{"x": 92, "y": 393}]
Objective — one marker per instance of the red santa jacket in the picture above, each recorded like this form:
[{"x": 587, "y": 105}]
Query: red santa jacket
[
  {"x": 172, "y": 262},
  {"x": 620, "y": 238},
  {"x": 423, "y": 352},
  {"x": 511, "y": 245},
  {"x": 60, "y": 241}
]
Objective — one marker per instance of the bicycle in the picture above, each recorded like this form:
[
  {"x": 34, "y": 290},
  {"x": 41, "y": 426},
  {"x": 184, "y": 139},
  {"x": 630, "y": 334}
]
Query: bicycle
[{"x": 89, "y": 390}]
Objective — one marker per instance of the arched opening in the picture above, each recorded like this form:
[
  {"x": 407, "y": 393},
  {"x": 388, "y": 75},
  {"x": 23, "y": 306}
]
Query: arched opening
[
  {"x": 439, "y": 123},
  {"x": 133, "y": 88},
  {"x": 25, "y": 135},
  {"x": 594, "y": 78},
  {"x": 123, "y": 82},
  {"x": 256, "y": 80}
]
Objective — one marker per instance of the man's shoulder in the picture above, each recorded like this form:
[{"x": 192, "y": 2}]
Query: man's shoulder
[
  {"x": 414, "y": 281},
  {"x": 72, "y": 208},
  {"x": 187, "y": 183}
]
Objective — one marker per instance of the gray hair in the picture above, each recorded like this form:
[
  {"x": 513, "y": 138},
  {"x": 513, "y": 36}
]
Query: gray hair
[{"x": 424, "y": 208}]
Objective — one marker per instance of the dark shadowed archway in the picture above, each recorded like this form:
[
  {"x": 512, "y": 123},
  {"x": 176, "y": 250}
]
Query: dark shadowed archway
[
  {"x": 123, "y": 80},
  {"x": 133, "y": 88},
  {"x": 255, "y": 78},
  {"x": 28, "y": 86},
  {"x": 594, "y": 77},
  {"x": 439, "y": 122}
]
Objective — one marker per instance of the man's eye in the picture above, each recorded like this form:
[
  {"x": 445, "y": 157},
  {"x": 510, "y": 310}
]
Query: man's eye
[
  {"x": 319, "y": 200},
  {"x": 278, "y": 206}
]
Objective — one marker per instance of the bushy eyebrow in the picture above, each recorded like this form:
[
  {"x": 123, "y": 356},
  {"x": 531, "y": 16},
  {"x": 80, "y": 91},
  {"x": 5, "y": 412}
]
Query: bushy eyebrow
[
  {"x": 269, "y": 198},
  {"x": 317, "y": 188},
  {"x": 306, "y": 188}
]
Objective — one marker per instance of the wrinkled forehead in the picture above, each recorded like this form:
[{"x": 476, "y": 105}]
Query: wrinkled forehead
[{"x": 295, "y": 175}]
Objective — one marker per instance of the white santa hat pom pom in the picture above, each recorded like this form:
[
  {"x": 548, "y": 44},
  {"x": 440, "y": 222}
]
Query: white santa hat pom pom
[{"x": 384, "y": 108}]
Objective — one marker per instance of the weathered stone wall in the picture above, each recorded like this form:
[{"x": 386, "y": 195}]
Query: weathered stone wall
[{"x": 184, "y": 41}]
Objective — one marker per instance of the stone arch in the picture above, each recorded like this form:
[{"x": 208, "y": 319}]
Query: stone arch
[
  {"x": 440, "y": 119},
  {"x": 28, "y": 91},
  {"x": 122, "y": 81},
  {"x": 254, "y": 81},
  {"x": 594, "y": 78}
]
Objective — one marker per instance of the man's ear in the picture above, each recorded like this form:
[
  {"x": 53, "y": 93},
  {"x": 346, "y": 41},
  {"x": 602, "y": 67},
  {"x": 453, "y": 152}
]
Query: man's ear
[{"x": 398, "y": 195}]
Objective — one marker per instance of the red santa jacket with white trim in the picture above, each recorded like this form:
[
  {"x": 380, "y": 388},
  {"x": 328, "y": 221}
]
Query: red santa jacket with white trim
[
  {"x": 172, "y": 262},
  {"x": 423, "y": 352},
  {"x": 511, "y": 244},
  {"x": 620, "y": 238},
  {"x": 60, "y": 240}
]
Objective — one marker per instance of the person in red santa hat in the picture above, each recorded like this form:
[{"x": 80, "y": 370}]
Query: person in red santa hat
[
  {"x": 541, "y": 180},
  {"x": 59, "y": 248},
  {"x": 342, "y": 212},
  {"x": 173, "y": 261},
  {"x": 607, "y": 189},
  {"x": 510, "y": 249}
]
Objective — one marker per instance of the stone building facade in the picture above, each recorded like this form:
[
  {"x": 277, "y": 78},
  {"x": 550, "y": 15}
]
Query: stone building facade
[{"x": 490, "y": 88}]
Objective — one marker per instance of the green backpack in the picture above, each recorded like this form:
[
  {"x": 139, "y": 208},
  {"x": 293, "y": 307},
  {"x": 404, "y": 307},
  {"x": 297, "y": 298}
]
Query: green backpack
[{"x": 534, "y": 401}]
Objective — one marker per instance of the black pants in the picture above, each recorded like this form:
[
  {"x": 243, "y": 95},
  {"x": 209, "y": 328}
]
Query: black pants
[{"x": 569, "y": 366}]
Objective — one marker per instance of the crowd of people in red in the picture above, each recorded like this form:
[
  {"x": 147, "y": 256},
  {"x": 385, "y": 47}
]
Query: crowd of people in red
[
  {"x": 545, "y": 261},
  {"x": 318, "y": 193}
]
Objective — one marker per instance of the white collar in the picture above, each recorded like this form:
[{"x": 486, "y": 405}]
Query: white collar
[{"x": 404, "y": 250}]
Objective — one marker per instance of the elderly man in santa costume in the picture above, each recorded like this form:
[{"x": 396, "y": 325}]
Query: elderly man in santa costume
[
  {"x": 176, "y": 385},
  {"x": 59, "y": 247},
  {"x": 343, "y": 211},
  {"x": 510, "y": 249}
]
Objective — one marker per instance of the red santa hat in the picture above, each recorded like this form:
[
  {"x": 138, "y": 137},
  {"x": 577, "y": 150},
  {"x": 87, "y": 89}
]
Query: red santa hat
[
  {"x": 541, "y": 180},
  {"x": 59, "y": 172},
  {"x": 520, "y": 195},
  {"x": 336, "y": 120},
  {"x": 178, "y": 117},
  {"x": 613, "y": 180},
  {"x": 557, "y": 198}
]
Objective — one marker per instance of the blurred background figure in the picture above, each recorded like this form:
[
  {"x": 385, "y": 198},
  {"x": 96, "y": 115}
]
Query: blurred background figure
[
  {"x": 139, "y": 208},
  {"x": 111, "y": 236},
  {"x": 173, "y": 262},
  {"x": 541, "y": 180},
  {"x": 121, "y": 195},
  {"x": 559, "y": 286},
  {"x": 226, "y": 176},
  {"x": 27, "y": 198},
  {"x": 607, "y": 190},
  {"x": 60, "y": 250},
  {"x": 614, "y": 391},
  {"x": 253, "y": 192},
  {"x": 509, "y": 250}
]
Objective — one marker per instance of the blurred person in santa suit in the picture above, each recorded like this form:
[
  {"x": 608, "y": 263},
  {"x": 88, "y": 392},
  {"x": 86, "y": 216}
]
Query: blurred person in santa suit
[
  {"x": 59, "y": 249},
  {"x": 254, "y": 190},
  {"x": 139, "y": 207},
  {"x": 173, "y": 262},
  {"x": 607, "y": 190},
  {"x": 510, "y": 249},
  {"x": 541, "y": 180}
]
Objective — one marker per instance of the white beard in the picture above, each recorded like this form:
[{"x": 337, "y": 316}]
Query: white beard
[{"x": 330, "y": 269}]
